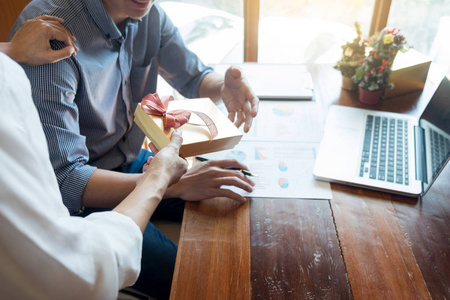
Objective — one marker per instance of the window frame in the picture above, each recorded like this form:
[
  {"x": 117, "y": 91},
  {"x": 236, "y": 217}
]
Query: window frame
[{"x": 251, "y": 29}]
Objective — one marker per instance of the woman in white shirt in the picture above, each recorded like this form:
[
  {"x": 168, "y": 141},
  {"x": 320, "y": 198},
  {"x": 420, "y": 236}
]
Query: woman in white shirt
[{"x": 45, "y": 253}]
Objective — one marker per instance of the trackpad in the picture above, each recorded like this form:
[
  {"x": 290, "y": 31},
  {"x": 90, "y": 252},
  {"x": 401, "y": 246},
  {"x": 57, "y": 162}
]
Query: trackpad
[{"x": 338, "y": 153}]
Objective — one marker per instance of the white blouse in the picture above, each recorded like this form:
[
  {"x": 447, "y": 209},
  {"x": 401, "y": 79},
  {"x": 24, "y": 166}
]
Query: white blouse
[{"x": 44, "y": 252}]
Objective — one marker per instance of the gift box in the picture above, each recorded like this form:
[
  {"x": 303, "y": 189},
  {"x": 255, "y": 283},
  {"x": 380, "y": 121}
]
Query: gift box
[
  {"x": 196, "y": 137},
  {"x": 409, "y": 73}
]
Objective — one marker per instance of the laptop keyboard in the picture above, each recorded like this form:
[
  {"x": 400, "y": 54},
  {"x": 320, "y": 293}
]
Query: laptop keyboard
[
  {"x": 440, "y": 150},
  {"x": 385, "y": 150}
]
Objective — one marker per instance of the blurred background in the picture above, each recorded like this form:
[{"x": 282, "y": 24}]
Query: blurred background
[{"x": 304, "y": 31}]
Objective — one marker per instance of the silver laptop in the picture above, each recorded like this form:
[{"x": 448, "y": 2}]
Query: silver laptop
[{"x": 386, "y": 151}]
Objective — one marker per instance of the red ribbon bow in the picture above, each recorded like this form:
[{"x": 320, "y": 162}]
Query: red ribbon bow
[{"x": 153, "y": 105}]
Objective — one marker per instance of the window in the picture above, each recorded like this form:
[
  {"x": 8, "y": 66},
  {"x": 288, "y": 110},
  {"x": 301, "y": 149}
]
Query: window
[
  {"x": 303, "y": 31},
  {"x": 425, "y": 25},
  {"x": 212, "y": 29},
  {"x": 306, "y": 31}
]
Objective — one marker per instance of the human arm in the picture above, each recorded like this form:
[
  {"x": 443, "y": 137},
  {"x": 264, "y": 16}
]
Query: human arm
[
  {"x": 58, "y": 256},
  {"x": 184, "y": 71},
  {"x": 205, "y": 180},
  {"x": 31, "y": 43},
  {"x": 107, "y": 188},
  {"x": 46, "y": 253},
  {"x": 161, "y": 171},
  {"x": 71, "y": 104}
]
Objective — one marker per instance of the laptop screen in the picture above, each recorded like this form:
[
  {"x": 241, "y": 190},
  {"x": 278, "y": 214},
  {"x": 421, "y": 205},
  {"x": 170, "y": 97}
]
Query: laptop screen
[{"x": 435, "y": 122}]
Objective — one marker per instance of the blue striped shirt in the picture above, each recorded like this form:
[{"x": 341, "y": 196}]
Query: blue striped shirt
[{"x": 86, "y": 103}]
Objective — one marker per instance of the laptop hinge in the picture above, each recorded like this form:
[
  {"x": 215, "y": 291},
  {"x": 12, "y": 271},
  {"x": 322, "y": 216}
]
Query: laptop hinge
[{"x": 419, "y": 143}]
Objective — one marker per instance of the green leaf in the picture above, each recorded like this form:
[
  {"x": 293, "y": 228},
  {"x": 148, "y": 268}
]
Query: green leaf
[{"x": 360, "y": 73}]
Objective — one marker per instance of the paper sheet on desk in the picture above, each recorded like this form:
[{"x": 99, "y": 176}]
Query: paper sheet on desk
[
  {"x": 283, "y": 169},
  {"x": 286, "y": 121}
]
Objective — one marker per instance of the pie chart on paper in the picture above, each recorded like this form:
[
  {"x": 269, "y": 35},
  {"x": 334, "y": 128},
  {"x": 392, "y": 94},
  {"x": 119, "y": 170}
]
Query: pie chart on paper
[
  {"x": 282, "y": 166},
  {"x": 283, "y": 182},
  {"x": 236, "y": 154}
]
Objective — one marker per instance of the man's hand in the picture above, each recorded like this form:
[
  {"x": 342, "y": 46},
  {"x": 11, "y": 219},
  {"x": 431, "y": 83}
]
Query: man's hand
[
  {"x": 31, "y": 43},
  {"x": 238, "y": 97},
  {"x": 205, "y": 180}
]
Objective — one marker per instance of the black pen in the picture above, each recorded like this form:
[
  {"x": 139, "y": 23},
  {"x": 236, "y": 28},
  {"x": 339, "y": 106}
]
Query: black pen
[{"x": 245, "y": 172}]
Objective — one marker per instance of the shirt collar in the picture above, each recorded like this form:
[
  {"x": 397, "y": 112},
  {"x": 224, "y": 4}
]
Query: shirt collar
[{"x": 101, "y": 17}]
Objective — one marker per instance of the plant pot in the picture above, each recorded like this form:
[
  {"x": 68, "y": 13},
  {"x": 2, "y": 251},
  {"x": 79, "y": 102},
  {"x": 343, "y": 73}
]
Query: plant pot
[
  {"x": 370, "y": 97},
  {"x": 348, "y": 84}
]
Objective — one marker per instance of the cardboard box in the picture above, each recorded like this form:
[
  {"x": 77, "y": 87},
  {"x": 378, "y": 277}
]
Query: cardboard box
[
  {"x": 409, "y": 73},
  {"x": 196, "y": 137}
]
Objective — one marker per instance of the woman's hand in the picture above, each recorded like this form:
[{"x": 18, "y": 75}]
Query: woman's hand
[
  {"x": 31, "y": 43},
  {"x": 167, "y": 162}
]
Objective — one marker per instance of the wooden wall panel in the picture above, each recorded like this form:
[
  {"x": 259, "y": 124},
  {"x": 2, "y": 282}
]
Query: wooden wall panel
[{"x": 9, "y": 11}]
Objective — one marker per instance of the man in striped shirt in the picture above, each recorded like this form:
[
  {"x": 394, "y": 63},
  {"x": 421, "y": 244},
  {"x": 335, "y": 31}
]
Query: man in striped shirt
[{"x": 86, "y": 106}]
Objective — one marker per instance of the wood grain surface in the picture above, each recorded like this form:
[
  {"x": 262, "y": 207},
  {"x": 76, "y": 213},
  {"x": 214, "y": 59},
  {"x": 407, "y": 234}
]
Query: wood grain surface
[
  {"x": 380, "y": 263},
  {"x": 361, "y": 244},
  {"x": 426, "y": 224},
  {"x": 213, "y": 260},
  {"x": 295, "y": 251}
]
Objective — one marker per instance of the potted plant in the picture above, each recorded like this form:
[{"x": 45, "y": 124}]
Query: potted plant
[
  {"x": 352, "y": 56},
  {"x": 373, "y": 75}
]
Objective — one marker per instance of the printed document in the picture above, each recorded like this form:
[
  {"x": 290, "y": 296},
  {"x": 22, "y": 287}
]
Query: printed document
[{"x": 283, "y": 169}]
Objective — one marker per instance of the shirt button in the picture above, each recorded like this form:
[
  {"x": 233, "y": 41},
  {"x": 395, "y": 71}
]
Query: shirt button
[{"x": 126, "y": 82}]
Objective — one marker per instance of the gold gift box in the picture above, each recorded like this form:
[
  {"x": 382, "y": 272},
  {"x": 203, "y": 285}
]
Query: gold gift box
[
  {"x": 196, "y": 137},
  {"x": 409, "y": 73}
]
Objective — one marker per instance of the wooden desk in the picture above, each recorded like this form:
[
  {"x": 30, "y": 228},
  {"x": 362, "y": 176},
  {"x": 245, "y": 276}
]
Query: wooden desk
[{"x": 361, "y": 244}]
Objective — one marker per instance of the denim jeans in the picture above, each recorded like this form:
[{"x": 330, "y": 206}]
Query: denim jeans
[{"x": 158, "y": 252}]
